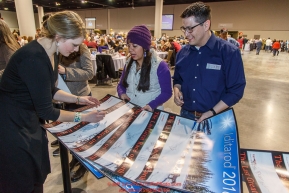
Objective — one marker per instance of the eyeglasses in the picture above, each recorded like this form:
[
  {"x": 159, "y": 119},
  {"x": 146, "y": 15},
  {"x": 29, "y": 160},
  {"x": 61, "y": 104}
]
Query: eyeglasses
[{"x": 190, "y": 29}]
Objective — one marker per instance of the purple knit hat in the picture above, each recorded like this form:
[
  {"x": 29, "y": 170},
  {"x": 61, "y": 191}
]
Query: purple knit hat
[{"x": 140, "y": 35}]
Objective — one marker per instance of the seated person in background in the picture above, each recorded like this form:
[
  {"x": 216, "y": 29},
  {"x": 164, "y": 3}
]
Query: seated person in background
[
  {"x": 117, "y": 47},
  {"x": 102, "y": 45},
  {"x": 96, "y": 37},
  {"x": 166, "y": 47},
  {"x": 174, "y": 45},
  {"x": 38, "y": 33},
  {"x": 183, "y": 42},
  {"x": 86, "y": 40},
  {"x": 146, "y": 79},
  {"x": 29, "y": 39},
  {"x": 153, "y": 45},
  {"x": 119, "y": 37},
  {"x": 92, "y": 43},
  {"x": 25, "y": 40},
  {"x": 110, "y": 43},
  {"x": 162, "y": 42},
  {"x": 21, "y": 41}
]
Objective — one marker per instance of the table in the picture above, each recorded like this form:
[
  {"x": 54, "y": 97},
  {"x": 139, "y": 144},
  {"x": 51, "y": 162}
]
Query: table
[
  {"x": 119, "y": 62},
  {"x": 162, "y": 55}
]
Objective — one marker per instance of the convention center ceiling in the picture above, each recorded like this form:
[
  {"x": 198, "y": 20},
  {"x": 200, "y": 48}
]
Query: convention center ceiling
[{"x": 52, "y": 5}]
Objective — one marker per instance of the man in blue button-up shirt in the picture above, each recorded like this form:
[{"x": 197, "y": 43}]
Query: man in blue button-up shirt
[{"x": 209, "y": 75}]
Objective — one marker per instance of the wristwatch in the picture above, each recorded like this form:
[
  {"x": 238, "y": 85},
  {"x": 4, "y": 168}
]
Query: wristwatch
[{"x": 213, "y": 111}]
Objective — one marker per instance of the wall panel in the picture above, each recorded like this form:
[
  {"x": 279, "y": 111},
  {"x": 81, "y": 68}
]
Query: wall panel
[{"x": 265, "y": 18}]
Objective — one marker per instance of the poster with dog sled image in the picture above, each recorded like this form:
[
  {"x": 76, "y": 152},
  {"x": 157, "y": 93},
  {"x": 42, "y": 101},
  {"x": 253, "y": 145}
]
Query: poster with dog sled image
[{"x": 159, "y": 150}]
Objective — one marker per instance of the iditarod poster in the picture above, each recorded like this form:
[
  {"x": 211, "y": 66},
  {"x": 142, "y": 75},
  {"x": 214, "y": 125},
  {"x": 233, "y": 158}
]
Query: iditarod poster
[
  {"x": 158, "y": 149},
  {"x": 265, "y": 171}
]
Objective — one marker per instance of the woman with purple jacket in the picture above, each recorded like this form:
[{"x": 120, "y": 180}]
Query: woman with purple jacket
[{"x": 146, "y": 79}]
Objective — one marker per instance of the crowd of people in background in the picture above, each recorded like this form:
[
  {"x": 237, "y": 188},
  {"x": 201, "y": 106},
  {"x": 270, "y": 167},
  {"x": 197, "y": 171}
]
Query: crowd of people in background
[{"x": 117, "y": 41}]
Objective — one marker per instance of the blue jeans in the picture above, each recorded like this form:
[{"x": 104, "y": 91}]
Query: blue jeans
[
  {"x": 275, "y": 51},
  {"x": 187, "y": 114}
]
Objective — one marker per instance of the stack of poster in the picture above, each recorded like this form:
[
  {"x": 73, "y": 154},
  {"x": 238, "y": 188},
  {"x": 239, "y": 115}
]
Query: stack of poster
[
  {"x": 158, "y": 150},
  {"x": 265, "y": 171}
]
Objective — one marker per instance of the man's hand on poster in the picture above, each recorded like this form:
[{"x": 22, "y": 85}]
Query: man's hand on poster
[
  {"x": 178, "y": 95},
  {"x": 205, "y": 116},
  {"x": 148, "y": 108}
]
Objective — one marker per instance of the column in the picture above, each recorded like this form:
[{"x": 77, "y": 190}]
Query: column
[
  {"x": 158, "y": 18},
  {"x": 25, "y": 17},
  {"x": 40, "y": 15},
  {"x": 108, "y": 22}
]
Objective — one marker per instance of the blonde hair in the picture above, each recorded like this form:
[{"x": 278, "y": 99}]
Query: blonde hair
[
  {"x": 66, "y": 24},
  {"x": 102, "y": 42},
  {"x": 7, "y": 37},
  {"x": 29, "y": 39}
]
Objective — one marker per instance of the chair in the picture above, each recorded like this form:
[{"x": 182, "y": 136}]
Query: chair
[{"x": 105, "y": 69}]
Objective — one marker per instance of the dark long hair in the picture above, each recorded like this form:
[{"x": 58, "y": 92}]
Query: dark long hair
[{"x": 144, "y": 81}]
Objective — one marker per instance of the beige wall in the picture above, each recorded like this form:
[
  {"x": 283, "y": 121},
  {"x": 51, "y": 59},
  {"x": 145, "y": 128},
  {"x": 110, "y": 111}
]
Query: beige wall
[
  {"x": 10, "y": 18},
  {"x": 253, "y": 17}
]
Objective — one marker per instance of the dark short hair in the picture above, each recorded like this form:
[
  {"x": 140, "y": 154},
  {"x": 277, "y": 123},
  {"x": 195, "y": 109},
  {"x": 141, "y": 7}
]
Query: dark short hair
[
  {"x": 224, "y": 30},
  {"x": 199, "y": 10}
]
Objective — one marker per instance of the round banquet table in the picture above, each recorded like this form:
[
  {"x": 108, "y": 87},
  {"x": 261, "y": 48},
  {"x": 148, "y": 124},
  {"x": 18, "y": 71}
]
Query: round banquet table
[
  {"x": 162, "y": 54},
  {"x": 118, "y": 61}
]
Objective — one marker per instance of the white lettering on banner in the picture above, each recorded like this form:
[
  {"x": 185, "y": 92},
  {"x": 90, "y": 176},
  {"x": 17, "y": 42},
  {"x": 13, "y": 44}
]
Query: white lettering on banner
[
  {"x": 227, "y": 151},
  {"x": 213, "y": 66}
]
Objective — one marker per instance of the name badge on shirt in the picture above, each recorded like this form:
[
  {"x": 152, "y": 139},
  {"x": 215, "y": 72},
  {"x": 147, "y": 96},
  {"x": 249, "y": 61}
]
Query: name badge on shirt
[{"x": 213, "y": 66}]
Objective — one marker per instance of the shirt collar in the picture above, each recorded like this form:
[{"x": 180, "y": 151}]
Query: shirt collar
[{"x": 210, "y": 43}]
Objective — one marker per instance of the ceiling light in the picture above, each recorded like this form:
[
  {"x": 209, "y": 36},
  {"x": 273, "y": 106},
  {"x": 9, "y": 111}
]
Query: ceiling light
[
  {"x": 56, "y": 3},
  {"x": 83, "y": 1},
  {"x": 5, "y": 8}
]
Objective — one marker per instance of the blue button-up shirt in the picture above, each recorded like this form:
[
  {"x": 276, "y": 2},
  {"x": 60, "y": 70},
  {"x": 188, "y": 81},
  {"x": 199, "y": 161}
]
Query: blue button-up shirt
[{"x": 209, "y": 74}]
